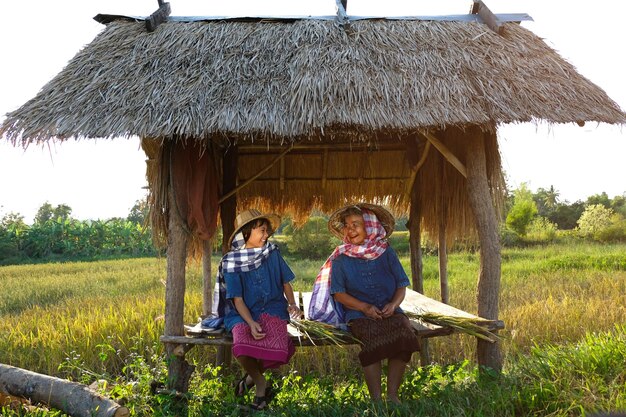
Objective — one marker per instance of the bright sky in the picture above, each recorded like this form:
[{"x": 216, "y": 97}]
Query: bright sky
[{"x": 103, "y": 178}]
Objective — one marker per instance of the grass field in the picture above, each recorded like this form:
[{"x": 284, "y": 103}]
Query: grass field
[{"x": 564, "y": 307}]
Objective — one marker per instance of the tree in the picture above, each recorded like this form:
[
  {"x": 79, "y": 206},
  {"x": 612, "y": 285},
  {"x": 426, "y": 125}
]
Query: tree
[
  {"x": 46, "y": 212},
  {"x": 522, "y": 211},
  {"x": 594, "y": 219},
  {"x": 546, "y": 201},
  {"x": 139, "y": 212},
  {"x": 566, "y": 215},
  {"x": 601, "y": 198}
]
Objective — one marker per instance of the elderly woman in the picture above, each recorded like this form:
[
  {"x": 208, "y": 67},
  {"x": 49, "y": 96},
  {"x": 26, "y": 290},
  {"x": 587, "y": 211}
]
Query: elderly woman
[{"x": 362, "y": 284}]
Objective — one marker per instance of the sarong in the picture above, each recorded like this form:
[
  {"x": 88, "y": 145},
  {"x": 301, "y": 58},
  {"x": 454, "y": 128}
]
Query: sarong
[
  {"x": 390, "y": 338},
  {"x": 274, "y": 350}
]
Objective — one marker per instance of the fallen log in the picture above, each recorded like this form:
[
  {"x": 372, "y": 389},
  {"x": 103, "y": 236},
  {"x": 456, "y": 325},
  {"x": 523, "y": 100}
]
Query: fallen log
[{"x": 72, "y": 398}]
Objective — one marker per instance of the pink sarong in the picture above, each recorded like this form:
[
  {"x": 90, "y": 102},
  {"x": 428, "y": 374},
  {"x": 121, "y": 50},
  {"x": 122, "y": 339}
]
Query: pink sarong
[{"x": 275, "y": 349}]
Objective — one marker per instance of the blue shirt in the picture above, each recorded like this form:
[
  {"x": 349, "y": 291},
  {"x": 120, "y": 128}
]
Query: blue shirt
[
  {"x": 261, "y": 289},
  {"x": 372, "y": 281}
]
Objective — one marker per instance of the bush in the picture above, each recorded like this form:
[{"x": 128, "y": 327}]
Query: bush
[
  {"x": 595, "y": 218},
  {"x": 522, "y": 211},
  {"x": 508, "y": 238},
  {"x": 541, "y": 229},
  {"x": 615, "y": 232},
  {"x": 312, "y": 240}
]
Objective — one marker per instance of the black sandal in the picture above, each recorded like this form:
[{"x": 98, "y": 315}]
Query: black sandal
[
  {"x": 259, "y": 403},
  {"x": 242, "y": 387}
]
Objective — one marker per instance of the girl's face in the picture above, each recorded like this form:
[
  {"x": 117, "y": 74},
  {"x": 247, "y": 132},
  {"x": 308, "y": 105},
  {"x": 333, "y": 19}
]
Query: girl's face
[
  {"x": 258, "y": 237},
  {"x": 354, "y": 229}
]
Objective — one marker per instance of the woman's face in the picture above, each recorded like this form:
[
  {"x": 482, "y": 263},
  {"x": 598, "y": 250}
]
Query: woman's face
[
  {"x": 258, "y": 237},
  {"x": 354, "y": 229}
]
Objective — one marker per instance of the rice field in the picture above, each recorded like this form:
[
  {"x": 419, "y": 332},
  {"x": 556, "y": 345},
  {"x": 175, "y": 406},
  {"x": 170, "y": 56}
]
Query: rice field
[{"x": 94, "y": 320}]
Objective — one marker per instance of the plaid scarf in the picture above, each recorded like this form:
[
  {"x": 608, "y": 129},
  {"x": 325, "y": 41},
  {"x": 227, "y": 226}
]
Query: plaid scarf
[
  {"x": 323, "y": 307},
  {"x": 239, "y": 259}
]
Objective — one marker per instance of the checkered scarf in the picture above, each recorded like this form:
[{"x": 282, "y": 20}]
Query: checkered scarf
[
  {"x": 322, "y": 307},
  {"x": 239, "y": 259}
]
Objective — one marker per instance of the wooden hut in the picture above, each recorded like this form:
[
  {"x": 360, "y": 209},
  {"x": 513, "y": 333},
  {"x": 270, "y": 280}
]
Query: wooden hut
[{"x": 294, "y": 114}]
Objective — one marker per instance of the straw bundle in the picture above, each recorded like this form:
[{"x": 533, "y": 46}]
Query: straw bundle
[
  {"x": 473, "y": 326},
  {"x": 317, "y": 331}
]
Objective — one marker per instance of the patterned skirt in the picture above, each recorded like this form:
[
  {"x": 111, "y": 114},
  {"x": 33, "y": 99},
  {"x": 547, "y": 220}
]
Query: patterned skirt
[
  {"x": 274, "y": 350},
  {"x": 389, "y": 338}
]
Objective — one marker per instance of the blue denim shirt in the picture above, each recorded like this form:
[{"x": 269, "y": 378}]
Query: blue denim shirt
[
  {"x": 371, "y": 281},
  {"x": 261, "y": 289}
]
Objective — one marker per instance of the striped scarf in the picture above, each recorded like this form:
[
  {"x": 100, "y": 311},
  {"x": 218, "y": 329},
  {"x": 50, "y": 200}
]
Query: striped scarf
[
  {"x": 239, "y": 259},
  {"x": 323, "y": 307}
]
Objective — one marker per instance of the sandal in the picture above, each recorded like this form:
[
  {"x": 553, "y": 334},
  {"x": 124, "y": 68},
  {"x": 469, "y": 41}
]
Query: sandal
[
  {"x": 270, "y": 392},
  {"x": 242, "y": 387},
  {"x": 259, "y": 403}
]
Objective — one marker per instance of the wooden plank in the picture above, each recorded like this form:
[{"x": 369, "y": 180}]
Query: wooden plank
[
  {"x": 490, "y": 19},
  {"x": 158, "y": 17},
  {"x": 413, "y": 301},
  {"x": 105, "y": 19}
]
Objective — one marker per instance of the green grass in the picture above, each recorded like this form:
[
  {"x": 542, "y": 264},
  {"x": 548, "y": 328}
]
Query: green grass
[{"x": 564, "y": 307}]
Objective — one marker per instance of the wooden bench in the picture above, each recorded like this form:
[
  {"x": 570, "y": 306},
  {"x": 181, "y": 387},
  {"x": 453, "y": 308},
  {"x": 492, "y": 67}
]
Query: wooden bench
[{"x": 413, "y": 301}]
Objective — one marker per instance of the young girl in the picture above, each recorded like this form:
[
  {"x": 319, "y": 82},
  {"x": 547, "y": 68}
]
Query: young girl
[
  {"x": 367, "y": 287},
  {"x": 259, "y": 299}
]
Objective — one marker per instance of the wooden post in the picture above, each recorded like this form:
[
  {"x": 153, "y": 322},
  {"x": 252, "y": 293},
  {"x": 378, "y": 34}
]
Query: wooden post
[
  {"x": 179, "y": 371},
  {"x": 207, "y": 282},
  {"x": 415, "y": 244},
  {"x": 443, "y": 260},
  {"x": 443, "y": 246},
  {"x": 228, "y": 212},
  {"x": 479, "y": 195}
]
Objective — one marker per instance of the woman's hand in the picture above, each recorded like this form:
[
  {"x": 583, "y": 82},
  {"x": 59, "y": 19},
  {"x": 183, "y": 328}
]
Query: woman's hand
[
  {"x": 372, "y": 312},
  {"x": 257, "y": 330},
  {"x": 294, "y": 311},
  {"x": 389, "y": 309}
]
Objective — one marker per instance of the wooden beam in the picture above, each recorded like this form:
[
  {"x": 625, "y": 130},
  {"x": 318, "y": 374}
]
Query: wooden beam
[
  {"x": 207, "y": 281},
  {"x": 487, "y": 16},
  {"x": 417, "y": 167},
  {"x": 282, "y": 174},
  {"x": 445, "y": 152},
  {"x": 324, "y": 167},
  {"x": 158, "y": 17},
  {"x": 258, "y": 174},
  {"x": 342, "y": 15}
]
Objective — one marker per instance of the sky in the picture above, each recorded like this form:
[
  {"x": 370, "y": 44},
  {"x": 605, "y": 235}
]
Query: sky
[{"x": 100, "y": 179}]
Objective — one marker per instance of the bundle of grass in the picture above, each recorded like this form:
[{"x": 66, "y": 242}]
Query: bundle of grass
[
  {"x": 477, "y": 327},
  {"x": 321, "y": 333}
]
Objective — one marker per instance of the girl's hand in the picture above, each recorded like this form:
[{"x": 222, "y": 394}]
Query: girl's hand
[
  {"x": 294, "y": 311},
  {"x": 257, "y": 331},
  {"x": 389, "y": 309}
]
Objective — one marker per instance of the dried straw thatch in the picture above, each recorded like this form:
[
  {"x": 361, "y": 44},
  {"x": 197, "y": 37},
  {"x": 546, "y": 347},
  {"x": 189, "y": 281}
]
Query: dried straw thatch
[
  {"x": 286, "y": 80},
  {"x": 354, "y": 103}
]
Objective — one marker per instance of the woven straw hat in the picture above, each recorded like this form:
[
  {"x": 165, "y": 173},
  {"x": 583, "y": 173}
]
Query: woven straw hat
[
  {"x": 335, "y": 224},
  {"x": 250, "y": 215}
]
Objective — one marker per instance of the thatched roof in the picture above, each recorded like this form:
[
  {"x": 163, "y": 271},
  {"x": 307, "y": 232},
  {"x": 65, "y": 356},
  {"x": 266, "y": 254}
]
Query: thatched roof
[{"x": 277, "y": 80}]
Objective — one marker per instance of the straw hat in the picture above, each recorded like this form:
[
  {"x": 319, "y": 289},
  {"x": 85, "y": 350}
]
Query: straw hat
[
  {"x": 335, "y": 224},
  {"x": 250, "y": 215}
]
